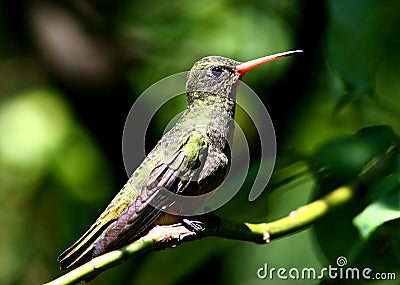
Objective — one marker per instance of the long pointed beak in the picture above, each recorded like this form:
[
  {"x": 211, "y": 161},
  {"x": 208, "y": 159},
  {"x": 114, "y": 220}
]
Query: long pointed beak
[{"x": 246, "y": 66}]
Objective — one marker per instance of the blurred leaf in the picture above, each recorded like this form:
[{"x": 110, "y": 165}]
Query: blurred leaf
[
  {"x": 356, "y": 42},
  {"x": 85, "y": 179},
  {"x": 200, "y": 29},
  {"x": 32, "y": 126},
  {"x": 377, "y": 213},
  {"x": 341, "y": 160},
  {"x": 381, "y": 250},
  {"x": 385, "y": 187},
  {"x": 44, "y": 154},
  {"x": 338, "y": 162}
]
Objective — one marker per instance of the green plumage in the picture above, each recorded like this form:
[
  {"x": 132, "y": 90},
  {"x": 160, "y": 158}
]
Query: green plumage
[{"x": 192, "y": 158}]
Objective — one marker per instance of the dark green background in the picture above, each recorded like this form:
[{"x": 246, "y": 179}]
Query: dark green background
[{"x": 71, "y": 70}]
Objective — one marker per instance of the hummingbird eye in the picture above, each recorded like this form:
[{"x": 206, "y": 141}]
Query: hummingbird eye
[{"x": 216, "y": 71}]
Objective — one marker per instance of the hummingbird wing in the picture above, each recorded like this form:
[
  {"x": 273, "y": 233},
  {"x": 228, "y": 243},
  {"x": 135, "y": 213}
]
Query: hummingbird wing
[{"x": 130, "y": 213}]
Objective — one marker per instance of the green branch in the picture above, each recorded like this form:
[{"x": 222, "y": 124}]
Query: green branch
[
  {"x": 295, "y": 221},
  {"x": 172, "y": 235}
]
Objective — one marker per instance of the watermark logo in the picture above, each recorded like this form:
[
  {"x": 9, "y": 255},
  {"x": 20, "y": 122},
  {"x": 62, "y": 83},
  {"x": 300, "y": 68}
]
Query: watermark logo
[
  {"x": 133, "y": 147},
  {"x": 341, "y": 261},
  {"x": 338, "y": 271}
]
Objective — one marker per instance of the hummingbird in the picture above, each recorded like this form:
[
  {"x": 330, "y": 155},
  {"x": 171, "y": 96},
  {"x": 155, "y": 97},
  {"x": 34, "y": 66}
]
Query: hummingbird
[{"x": 192, "y": 158}]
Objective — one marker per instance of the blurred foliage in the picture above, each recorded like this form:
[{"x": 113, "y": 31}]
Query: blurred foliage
[{"x": 70, "y": 71}]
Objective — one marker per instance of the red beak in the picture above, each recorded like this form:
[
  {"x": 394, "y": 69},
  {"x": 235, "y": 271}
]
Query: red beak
[{"x": 246, "y": 66}]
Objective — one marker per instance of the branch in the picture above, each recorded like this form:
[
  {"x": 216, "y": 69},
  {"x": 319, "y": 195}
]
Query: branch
[{"x": 172, "y": 235}]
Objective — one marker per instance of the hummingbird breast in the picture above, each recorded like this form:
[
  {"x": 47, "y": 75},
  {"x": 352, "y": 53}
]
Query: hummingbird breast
[{"x": 213, "y": 116}]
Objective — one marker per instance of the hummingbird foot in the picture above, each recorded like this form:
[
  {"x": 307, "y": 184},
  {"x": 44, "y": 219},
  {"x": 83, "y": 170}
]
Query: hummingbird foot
[{"x": 201, "y": 223}]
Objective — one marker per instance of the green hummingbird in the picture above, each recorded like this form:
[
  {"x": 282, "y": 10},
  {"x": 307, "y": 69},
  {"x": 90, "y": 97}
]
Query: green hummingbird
[{"x": 191, "y": 159}]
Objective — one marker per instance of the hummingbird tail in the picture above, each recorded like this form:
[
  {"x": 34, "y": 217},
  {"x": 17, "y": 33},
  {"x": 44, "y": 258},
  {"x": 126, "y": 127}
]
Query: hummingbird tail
[
  {"x": 82, "y": 250},
  {"x": 121, "y": 224}
]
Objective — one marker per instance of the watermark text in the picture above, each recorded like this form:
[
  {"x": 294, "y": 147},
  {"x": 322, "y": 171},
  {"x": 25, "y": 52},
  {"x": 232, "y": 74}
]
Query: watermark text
[{"x": 338, "y": 271}]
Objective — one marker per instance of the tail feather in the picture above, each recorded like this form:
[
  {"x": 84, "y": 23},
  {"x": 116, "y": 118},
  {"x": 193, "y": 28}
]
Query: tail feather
[
  {"x": 122, "y": 223},
  {"x": 82, "y": 250}
]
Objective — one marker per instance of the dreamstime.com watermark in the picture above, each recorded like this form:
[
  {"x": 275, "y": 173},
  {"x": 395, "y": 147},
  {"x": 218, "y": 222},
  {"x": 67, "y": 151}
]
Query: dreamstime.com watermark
[{"x": 338, "y": 271}]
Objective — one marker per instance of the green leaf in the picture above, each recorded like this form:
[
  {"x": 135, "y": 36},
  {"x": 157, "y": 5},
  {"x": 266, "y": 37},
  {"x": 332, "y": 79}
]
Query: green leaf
[
  {"x": 359, "y": 37},
  {"x": 377, "y": 213},
  {"x": 369, "y": 153}
]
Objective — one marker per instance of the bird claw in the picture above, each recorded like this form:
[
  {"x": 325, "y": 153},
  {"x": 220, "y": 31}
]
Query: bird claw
[
  {"x": 199, "y": 224},
  {"x": 194, "y": 225}
]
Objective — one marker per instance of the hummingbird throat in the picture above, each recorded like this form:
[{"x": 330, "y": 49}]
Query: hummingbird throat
[{"x": 213, "y": 104}]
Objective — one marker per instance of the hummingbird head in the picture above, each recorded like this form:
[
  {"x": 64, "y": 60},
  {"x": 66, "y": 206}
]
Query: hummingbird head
[
  {"x": 217, "y": 75},
  {"x": 213, "y": 75}
]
